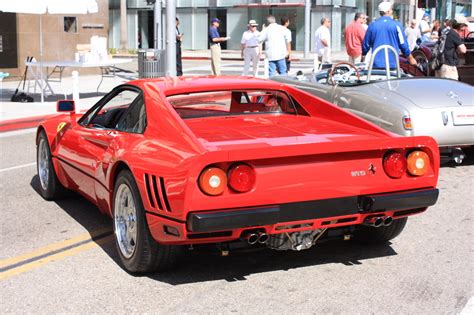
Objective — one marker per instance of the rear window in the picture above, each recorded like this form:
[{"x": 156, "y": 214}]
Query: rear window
[{"x": 224, "y": 103}]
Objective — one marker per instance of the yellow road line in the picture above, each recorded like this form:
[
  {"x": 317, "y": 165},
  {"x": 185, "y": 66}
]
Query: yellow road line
[
  {"x": 51, "y": 247},
  {"x": 55, "y": 257},
  {"x": 57, "y": 251}
]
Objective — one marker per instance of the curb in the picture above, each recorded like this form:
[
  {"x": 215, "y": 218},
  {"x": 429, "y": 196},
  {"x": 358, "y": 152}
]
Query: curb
[{"x": 22, "y": 123}]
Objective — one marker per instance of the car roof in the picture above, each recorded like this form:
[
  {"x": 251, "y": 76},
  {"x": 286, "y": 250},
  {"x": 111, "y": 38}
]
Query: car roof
[{"x": 177, "y": 85}]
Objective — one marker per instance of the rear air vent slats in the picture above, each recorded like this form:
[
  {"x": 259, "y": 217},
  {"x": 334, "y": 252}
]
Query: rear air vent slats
[
  {"x": 148, "y": 191},
  {"x": 156, "y": 193},
  {"x": 163, "y": 191},
  {"x": 155, "y": 189}
]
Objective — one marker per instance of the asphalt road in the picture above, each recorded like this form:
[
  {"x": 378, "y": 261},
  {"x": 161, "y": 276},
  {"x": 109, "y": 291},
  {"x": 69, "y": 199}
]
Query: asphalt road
[{"x": 49, "y": 264}]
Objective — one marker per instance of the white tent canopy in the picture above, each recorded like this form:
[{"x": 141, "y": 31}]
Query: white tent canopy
[{"x": 48, "y": 6}]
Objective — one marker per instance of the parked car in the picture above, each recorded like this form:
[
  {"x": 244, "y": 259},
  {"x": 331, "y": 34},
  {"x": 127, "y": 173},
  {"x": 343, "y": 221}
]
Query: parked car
[
  {"x": 423, "y": 55},
  {"x": 442, "y": 109},
  {"x": 232, "y": 160}
]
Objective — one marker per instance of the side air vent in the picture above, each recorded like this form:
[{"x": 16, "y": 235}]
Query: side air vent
[{"x": 156, "y": 192}]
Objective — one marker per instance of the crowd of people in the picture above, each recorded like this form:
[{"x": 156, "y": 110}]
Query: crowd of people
[{"x": 274, "y": 40}]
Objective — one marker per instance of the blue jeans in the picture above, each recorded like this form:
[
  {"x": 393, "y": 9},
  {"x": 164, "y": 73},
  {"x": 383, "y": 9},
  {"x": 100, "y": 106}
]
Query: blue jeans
[{"x": 274, "y": 64}]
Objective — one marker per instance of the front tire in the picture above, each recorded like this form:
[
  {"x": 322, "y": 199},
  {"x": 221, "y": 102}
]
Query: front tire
[
  {"x": 50, "y": 187},
  {"x": 380, "y": 235},
  {"x": 138, "y": 251}
]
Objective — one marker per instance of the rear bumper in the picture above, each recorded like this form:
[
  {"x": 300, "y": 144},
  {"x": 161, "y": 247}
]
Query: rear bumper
[{"x": 228, "y": 219}]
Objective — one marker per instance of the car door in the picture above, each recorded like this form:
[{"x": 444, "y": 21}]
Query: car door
[{"x": 87, "y": 148}]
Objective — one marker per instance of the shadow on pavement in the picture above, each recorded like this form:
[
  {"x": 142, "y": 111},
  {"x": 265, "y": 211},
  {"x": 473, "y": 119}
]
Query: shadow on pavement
[{"x": 204, "y": 263}]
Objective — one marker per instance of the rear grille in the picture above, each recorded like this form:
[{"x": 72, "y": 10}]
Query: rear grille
[{"x": 156, "y": 192}]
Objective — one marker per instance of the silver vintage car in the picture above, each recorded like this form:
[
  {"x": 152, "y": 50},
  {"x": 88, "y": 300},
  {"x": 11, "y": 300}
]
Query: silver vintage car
[{"x": 405, "y": 105}]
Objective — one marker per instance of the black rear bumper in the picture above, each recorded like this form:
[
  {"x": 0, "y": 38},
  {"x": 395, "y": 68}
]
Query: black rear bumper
[{"x": 227, "y": 219}]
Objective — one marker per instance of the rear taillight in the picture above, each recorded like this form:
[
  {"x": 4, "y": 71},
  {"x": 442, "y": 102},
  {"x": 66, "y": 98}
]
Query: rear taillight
[
  {"x": 395, "y": 164},
  {"x": 241, "y": 178},
  {"x": 417, "y": 163},
  {"x": 406, "y": 120},
  {"x": 212, "y": 181}
]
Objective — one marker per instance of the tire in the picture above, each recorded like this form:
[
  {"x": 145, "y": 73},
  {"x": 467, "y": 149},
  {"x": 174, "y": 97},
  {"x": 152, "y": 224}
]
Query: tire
[
  {"x": 380, "y": 235},
  {"x": 50, "y": 188},
  {"x": 138, "y": 251},
  {"x": 423, "y": 61}
]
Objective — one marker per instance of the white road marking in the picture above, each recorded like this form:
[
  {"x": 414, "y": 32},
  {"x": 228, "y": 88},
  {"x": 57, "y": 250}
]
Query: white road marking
[
  {"x": 469, "y": 308},
  {"x": 7, "y": 134},
  {"x": 16, "y": 167}
]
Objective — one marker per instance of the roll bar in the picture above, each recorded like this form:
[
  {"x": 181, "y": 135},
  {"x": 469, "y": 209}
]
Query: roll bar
[{"x": 385, "y": 48}]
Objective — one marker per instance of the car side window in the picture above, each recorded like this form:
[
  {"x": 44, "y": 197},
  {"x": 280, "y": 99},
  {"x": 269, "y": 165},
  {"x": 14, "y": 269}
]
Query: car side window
[
  {"x": 108, "y": 115},
  {"x": 135, "y": 119}
]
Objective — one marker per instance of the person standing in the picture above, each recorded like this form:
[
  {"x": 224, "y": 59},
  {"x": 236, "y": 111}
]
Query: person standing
[
  {"x": 179, "y": 39},
  {"x": 452, "y": 47},
  {"x": 385, "y": 31},
  {"x": 412, "y": 33},
  {"x": 425, "y": 28},
  {"x": 322, "y": 44},
  {"x": 285, "y": 22},
  {"x": 250, "y": 48},
  {"x": 215, "y": 41},
  {"x": 354, "y": 35},
  {"x": 275, "y": 38}
]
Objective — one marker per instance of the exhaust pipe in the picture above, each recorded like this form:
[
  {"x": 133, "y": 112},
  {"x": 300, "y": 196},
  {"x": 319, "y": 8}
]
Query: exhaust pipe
[
  {"x": 263, "y": 238},
  {"x": 252, "y": 238},
  {"x": 374, "y": 221},
  {"x": 387, "y": 221}
]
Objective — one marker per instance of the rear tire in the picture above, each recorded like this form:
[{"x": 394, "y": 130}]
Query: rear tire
[
  {"x": 138, "y": 251},
  {"x": 50, "y": 187},
  {"x": 380, "y": 235}
]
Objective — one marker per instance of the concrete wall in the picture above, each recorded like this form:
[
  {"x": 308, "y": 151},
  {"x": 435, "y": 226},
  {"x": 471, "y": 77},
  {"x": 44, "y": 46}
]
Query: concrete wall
[{"x": 57, "y": 44}]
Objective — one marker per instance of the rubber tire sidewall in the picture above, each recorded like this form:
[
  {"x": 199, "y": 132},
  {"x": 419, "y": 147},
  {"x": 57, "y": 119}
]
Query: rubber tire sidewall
[
  {"x": 54, "y": 189},
  {"x": 141, "y": 260}
]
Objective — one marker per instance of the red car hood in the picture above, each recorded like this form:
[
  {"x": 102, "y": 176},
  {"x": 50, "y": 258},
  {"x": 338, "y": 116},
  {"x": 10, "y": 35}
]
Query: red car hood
[{"x": 257, "y": 131}]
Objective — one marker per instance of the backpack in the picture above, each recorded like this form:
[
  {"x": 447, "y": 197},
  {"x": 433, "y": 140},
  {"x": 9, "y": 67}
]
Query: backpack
[{"x": 438, "y": 58}]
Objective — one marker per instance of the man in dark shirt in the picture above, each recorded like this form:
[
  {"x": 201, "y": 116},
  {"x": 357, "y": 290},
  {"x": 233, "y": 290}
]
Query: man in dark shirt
[
  {"x": 179, "y": 38},
  {"x": 215, "y": 41},
  {"x": 453, "y": 46}
]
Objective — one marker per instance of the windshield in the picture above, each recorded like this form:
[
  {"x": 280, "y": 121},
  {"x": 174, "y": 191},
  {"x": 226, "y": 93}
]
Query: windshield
[
  {"x": 223, "y": 103},
  {"x": 345, "y": 76}
]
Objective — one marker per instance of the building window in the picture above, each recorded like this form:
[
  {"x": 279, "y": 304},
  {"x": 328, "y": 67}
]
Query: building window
[{"x": 70, "y": 24}]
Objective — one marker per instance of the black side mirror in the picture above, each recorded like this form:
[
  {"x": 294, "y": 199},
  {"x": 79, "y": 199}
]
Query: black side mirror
[{"x": 65, "y": 106}]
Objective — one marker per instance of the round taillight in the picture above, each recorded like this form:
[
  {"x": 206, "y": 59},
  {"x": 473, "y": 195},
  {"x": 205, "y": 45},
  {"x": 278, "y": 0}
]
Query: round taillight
[
  {"x": 241, "y": 178},
  {"x": 417, "y": 163},
  {"x": 213, "y": 181},
  {"x": 395, "y": 164}
]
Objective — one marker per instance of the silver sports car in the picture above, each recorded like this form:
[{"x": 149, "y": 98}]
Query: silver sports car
[{"x": 408, "y": 106}]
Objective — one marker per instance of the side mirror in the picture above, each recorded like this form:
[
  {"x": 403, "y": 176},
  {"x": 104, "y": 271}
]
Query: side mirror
[{"x": 65, "y": 106}]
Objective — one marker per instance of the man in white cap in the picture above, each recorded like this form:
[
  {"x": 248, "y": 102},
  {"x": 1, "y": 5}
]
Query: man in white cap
[
  {"x": 250, "y": 48},
  {"x": 385, "y": 31}
]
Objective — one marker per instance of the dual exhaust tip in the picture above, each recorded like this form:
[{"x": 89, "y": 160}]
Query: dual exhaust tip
[
  {"x": 255, "y": 238},
  {"x": 379, "y": 221}
]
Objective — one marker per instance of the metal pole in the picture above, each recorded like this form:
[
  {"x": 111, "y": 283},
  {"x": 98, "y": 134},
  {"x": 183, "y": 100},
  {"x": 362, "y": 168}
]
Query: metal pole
[
  {"x": 171, "y": 38},
  {"x": 307, "y": 27},
  {"x": 158, "y": 43},
  {"x": 41, "y": 61}
]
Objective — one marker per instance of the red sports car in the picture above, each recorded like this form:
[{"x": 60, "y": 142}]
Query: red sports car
[{"x": 230, "y": 160}]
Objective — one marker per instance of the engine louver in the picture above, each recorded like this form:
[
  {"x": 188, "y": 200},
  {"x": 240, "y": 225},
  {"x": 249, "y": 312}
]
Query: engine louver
[{"x": 156, "y": 192}]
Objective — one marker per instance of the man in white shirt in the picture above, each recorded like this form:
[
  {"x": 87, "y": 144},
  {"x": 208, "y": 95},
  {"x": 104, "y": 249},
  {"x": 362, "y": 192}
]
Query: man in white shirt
[
  {"x": 250, "y": 48},
  {"x": 322, "y": 44},
  {"x": 425, "y": 28},
  {"x": 285, "y": 21},
  {"x": 276, "y": 39},
  {"x": 413, "y": 33}
]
